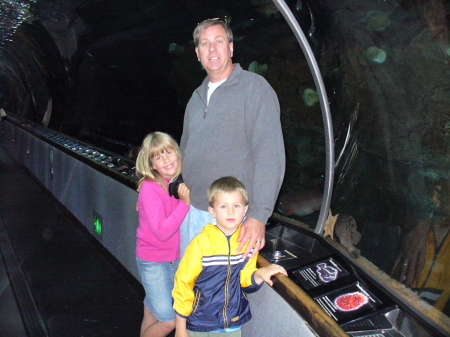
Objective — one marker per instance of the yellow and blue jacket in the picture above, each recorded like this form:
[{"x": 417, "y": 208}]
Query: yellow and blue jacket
[{"x": 211, "y": 281}]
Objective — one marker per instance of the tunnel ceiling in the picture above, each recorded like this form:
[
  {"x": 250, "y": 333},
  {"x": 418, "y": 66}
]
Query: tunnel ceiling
[{"x": 99, "y": 66}]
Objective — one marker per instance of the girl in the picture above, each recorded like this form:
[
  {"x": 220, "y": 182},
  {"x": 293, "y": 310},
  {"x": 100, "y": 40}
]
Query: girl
[{"x": 157, "y": 237}]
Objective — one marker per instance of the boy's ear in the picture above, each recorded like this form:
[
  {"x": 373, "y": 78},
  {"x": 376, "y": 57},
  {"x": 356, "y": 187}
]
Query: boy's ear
[
  {"x": 211, "y": 211},
  {"x": 246, "y": 209}
]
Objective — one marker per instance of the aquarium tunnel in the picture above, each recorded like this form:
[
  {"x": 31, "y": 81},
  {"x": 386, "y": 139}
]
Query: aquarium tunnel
[{"x": 364, "y": 93}]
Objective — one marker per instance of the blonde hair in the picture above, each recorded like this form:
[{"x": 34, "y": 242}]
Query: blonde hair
[
  {"x": 226, "y": 185},
  {"x": 154, "y": 144}
]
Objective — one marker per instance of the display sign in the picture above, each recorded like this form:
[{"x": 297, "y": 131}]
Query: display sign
[
  {"x": 320, "y": 273},
  {"x": 348, "y": 302}
]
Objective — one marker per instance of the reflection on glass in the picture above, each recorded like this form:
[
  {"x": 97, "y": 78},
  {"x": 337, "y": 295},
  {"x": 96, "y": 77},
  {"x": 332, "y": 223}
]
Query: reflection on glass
[
  {"x": 394, "y": 66},
  {"x": 108, "y": 74}
]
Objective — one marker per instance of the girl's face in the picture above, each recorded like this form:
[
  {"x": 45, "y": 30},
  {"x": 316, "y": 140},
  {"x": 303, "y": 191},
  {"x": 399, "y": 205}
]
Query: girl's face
[{"x": 166, "y": 163}]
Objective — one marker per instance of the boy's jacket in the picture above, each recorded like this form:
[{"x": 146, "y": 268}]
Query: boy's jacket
[{"x": 211, "y": 281}]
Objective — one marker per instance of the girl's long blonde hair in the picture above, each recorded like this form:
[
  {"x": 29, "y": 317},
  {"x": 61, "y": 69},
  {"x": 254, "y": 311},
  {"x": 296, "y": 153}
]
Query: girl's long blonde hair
[{"x": 153, "y": 144}]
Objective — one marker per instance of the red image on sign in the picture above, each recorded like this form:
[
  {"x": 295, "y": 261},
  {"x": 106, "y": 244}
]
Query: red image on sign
[{"x": 351, "y": 301}]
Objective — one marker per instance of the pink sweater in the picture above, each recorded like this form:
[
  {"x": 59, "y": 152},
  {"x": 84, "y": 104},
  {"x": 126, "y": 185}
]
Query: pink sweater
[{"x": 160, "y": 217}]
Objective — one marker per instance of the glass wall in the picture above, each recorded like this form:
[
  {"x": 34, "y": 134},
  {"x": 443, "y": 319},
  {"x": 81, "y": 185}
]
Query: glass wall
[{"x": 108, "y": 73}]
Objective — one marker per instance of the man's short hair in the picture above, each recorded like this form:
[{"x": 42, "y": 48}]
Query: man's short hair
[
  {"x": 209, "y": 23},
  {"x": 226, "y": 185}
]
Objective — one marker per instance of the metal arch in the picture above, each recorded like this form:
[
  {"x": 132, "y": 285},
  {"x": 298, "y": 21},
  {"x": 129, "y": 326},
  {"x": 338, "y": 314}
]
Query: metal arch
[{"x": 326, "y": 115}]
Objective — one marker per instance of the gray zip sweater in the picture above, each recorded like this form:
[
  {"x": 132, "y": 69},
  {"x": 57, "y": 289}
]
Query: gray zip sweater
[{"x": 239, "y": 134}]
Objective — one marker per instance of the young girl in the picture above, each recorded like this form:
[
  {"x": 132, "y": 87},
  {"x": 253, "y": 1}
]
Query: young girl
[{"x": 157, "y": 237}]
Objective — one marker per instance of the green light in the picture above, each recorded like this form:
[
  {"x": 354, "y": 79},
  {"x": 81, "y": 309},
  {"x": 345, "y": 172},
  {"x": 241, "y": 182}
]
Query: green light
[{"x": 97, "y": 225}]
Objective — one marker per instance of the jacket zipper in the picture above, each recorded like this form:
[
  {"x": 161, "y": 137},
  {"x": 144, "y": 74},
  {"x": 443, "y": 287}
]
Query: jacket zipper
[{"x": 227, "y": 285}]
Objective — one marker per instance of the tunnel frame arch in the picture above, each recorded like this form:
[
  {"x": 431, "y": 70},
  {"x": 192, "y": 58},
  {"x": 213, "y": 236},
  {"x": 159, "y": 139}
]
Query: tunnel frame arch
[{"x": 325, "y": 108}]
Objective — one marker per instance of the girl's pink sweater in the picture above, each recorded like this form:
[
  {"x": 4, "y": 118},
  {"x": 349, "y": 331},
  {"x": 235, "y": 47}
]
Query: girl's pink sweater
[{"x": 160, "y": 217}]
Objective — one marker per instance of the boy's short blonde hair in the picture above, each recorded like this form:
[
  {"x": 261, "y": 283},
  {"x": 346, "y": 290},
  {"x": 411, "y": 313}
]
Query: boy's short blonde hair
[{"x": 226, "y": 185}]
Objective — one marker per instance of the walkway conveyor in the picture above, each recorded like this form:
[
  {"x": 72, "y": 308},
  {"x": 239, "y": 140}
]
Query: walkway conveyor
[{"x": 55, "y": 278}]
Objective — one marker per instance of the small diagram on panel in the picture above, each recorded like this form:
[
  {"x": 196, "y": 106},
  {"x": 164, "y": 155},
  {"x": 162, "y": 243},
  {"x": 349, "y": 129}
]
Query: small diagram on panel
[
  {"x": 320, "y": 273},
  {"x": 344, "y": 303},
  {"x": 351, "y": 301},
  {"x": 326, "y": 272}
]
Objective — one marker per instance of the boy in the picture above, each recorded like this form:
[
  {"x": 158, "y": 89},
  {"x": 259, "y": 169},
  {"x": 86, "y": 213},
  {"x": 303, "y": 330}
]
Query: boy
[{"x": 210, "y": 282}]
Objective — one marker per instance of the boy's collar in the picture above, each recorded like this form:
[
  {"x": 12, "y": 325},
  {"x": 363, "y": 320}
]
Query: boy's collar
[{"x": 237, "y": 229}]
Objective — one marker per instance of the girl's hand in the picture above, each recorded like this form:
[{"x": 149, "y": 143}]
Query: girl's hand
[
  {"x": 183, "y": 193},
  {"x": 137, "y": 204}
]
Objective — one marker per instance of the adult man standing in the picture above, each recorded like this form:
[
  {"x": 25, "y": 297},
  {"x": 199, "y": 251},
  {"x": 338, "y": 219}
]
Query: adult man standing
[{"x": 231, "y": 127}]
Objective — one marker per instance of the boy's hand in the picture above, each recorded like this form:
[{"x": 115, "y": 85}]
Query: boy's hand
[
  {"x": 253, "y": 231},
  {"x": 179, "y": 333},
  {"x": 264, "y": 274},
  {"x": 180, "y": 327}
]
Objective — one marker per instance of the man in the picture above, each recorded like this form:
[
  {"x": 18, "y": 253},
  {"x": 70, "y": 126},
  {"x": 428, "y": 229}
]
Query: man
[{"x": 231, "y": 127}]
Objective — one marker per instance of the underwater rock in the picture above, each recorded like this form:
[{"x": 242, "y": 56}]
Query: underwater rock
[
  {"x": 445, "y": 128},
  {"x": 176, "y": 49},
  {"x": 347, "y": 233},
  {"x": 374, "y": 55},
  {"x": 310, "y": 97},
  {"x": 377, "y": 20},
  {"x": 2, "y": 114},
  {"x": 266, "y": 7},
  {"x": 48, "y": 234},
  {"x": 257, "y": 68},
  {"x": 301, "y": 202}
]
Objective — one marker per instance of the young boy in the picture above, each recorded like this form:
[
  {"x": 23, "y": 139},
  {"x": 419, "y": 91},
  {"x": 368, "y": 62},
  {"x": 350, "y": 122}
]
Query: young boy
[{"x": 211, "y": 280}]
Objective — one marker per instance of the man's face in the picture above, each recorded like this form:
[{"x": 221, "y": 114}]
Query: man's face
[{"x": 215, "y": 52}]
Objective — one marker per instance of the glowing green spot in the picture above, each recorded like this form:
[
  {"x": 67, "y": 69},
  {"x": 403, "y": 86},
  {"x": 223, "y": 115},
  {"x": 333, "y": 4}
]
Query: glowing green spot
[{"x": 97, "y": 222}]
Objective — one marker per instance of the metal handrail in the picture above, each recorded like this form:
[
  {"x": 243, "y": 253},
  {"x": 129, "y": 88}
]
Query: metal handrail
[{"x": 326, "y": 115}]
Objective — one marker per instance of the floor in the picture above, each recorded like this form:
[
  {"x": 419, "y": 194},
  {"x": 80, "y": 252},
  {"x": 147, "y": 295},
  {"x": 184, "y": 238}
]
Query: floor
[{"x": 55, "y": 278}]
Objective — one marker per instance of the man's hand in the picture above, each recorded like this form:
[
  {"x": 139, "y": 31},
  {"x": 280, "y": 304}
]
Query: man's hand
[
  {"x": 411, "y": 258},
  {"x": 252, "y": 231}
]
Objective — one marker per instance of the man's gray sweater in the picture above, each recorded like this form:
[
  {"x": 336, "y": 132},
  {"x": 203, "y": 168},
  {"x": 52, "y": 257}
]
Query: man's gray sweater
[{"x": 237, "y": 134}]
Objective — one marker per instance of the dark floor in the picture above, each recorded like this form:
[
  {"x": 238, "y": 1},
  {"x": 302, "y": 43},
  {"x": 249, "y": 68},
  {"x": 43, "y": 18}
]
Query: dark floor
[{"x": 64, "y": 283}]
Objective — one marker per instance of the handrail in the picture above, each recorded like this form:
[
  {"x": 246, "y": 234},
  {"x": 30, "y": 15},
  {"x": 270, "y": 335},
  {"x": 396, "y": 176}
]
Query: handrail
[{"x": 326, "y": 115}]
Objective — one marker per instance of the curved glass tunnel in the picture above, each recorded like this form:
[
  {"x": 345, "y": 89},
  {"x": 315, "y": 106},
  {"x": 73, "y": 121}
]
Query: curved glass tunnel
[{"x": 107, "y": 74}]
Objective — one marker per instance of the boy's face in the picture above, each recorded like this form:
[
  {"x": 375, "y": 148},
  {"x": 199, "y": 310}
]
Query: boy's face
[{"x": 229, "y": 209}]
